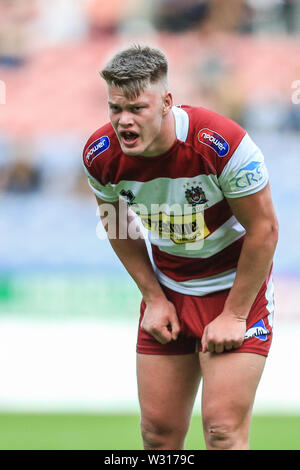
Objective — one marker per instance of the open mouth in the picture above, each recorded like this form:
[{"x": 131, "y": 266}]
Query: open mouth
[{"x": 129, "y": 138}]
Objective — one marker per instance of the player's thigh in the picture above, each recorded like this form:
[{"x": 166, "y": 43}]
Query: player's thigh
[
  {"x": 167, "y": 387},
  {"x": 230, "y": 382}
]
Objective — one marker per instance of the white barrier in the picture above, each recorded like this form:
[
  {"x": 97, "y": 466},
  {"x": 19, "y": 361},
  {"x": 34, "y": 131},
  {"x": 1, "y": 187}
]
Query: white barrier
[{"x": 90, "y": 367}]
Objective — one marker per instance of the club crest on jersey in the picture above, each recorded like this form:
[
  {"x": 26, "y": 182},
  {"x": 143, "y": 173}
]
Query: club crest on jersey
[
  {"x": 195, "y": 196},
  {"x": 128, "y": 196},
  {"x": 258, "y": 330},
  {"x": 96, "y": 148},
  {"x": 214, "y": 140}
]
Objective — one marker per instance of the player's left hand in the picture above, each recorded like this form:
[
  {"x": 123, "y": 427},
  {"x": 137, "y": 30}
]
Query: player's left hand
[{"x": 224, "y": 333}]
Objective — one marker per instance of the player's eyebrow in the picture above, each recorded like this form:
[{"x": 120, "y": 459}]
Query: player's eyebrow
[{"x": 137, "y": 103}]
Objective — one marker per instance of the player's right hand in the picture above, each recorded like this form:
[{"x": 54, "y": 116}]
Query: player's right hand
[{"x": 161, "y": 321}]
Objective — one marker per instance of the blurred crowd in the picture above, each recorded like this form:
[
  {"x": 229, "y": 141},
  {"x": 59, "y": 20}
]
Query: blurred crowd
[
  {"x": 237, "y": 57},
  {"x": 25, "y": 24}
]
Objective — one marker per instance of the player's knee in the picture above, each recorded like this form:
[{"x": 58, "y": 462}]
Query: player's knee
[
  {"x": 158, "y": 434},
  {"x": 226, "y": 431},
  {"x": 220, "y": 435},
  {"x": 226, "y": 426}
]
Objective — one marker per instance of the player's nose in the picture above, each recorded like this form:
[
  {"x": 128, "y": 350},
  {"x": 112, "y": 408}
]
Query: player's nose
[{"x": 125, "y": 119}]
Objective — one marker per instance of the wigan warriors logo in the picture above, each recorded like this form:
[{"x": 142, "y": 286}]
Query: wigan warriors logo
[
  {"x": 195, "y": 196},
  {"x": 128, "y": 196}
]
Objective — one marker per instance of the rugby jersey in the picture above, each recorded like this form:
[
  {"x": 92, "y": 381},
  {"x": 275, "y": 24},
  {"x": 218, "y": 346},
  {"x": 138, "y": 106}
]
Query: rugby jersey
[{"x": 180, "y": 196}]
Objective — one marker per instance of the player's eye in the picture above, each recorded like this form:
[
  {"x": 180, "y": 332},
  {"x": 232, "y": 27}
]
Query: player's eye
[{"x": 114, "y": 108}]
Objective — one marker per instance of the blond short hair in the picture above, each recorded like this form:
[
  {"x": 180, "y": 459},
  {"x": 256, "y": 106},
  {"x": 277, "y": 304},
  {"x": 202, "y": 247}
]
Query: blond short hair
[{"x": 133, "y": 69}]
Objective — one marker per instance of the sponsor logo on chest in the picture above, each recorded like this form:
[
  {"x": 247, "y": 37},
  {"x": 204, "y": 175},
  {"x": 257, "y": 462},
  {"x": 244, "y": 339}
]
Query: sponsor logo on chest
[
  {"x": 96, "y": 148},
  {"x": 214, "y": 140}
]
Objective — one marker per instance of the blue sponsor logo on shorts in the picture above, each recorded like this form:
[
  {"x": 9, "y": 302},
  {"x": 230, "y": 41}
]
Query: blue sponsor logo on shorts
[
  {"x": 258, "y": 330},
  {"x": 96, "y": 148}
]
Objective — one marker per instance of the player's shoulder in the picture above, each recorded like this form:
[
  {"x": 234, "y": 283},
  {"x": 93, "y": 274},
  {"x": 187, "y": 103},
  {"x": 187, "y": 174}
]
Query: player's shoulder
[
  {"x": 101, "y": 145},
  {"x": 212, "y": 133}
]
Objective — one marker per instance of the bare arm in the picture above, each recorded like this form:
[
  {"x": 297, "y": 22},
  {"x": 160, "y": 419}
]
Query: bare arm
[
  {"x": 256, "y": 213},
  {"x": 160, "y": 318}
]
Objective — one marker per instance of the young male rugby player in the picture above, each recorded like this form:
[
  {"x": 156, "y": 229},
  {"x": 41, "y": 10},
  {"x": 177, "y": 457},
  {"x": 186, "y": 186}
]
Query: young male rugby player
[{"x": 207, "y": 305}]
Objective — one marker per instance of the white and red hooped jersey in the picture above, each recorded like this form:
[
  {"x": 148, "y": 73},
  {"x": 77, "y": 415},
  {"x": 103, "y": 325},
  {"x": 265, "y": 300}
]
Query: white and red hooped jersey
[{"x": 181, "y": 195}]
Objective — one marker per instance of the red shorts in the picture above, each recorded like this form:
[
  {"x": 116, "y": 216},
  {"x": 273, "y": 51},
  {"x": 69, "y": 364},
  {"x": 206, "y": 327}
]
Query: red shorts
[{"x": 195, "y": 313}]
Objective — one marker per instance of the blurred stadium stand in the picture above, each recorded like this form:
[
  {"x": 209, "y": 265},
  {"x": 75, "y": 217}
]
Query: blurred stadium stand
[
  {"x": 239, "y": 59},
  {"x": 55, "y": 97}
]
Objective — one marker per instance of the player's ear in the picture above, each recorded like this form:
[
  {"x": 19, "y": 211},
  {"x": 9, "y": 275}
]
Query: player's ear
[{"x": 167, "y": 102}]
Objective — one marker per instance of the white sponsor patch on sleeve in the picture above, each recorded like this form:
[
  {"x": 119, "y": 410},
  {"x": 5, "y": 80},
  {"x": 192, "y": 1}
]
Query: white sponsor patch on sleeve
[{"x": 245, "y": 173}]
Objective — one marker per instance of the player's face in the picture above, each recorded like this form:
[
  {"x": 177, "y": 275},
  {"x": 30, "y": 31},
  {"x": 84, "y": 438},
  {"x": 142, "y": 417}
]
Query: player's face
[{"x": 141, "y": 123}]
